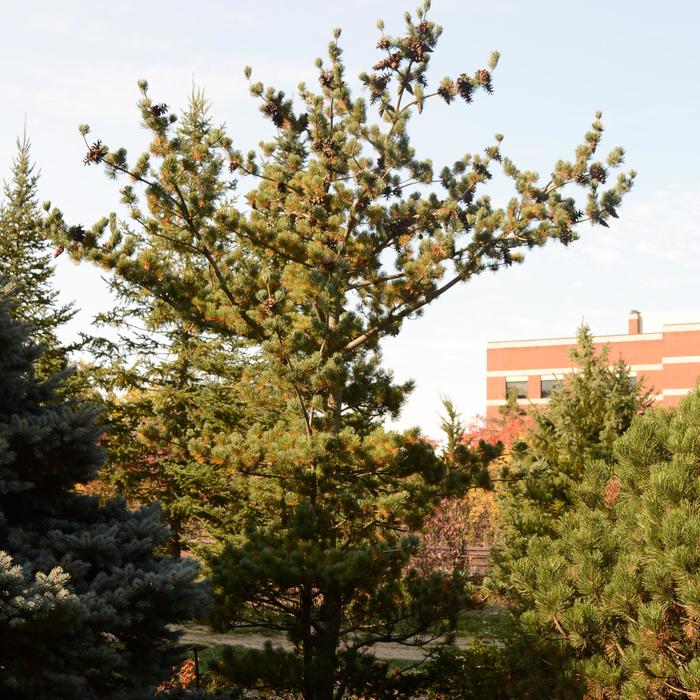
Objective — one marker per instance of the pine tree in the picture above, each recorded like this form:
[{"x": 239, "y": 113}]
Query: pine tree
[
  {"x": 25, "y": 260},
  {"x": 85, "y": 602},
  {"x": 617, "y": 588},
  {"x": 343, "y": 236},
  {"x": 585, "y": 415}
]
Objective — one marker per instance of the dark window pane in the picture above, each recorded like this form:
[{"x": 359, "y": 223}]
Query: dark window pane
[
  {"x": 517, "y": 389},
  {"x": 547, "y": 386}
]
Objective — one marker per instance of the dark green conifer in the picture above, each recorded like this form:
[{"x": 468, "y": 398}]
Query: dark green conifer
[
  {"x": 155, "y": 406},
  {"x": 85, "y": 602},
  {"x": 26, "y": 261},
  {"x": 617, "y": 589},
  {"x": 585, "y": 415}
]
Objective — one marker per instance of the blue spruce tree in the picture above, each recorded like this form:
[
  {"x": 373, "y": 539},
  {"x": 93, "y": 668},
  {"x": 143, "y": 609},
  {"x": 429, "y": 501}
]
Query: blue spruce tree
[{"x": 85, "y": 597}]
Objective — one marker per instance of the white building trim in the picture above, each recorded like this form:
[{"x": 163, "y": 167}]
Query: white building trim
[
  {"x": 681, "y": 360},
  {"x": 527, "y": 372},
  {"x": 521, "y": 402},
  {"x": 677, "y": 392},
  {"x": 598, "y": 339},
  {"x": 558, "y": 371},
  {"x": 681, "y": 327}
]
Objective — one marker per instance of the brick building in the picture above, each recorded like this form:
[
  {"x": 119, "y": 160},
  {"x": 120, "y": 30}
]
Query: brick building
[{"x": 667, "y": 361}]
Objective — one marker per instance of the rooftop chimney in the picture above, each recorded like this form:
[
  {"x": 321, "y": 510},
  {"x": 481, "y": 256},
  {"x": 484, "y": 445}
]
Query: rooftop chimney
[{"x": 634, "y": 322}]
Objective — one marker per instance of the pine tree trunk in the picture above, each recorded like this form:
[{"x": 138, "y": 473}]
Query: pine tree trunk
[
  {"x": 323, "y": 681},
  {"x": 325, "y": 658},
  {"x": 175, "y": 540},
  {"x": 322, "y": 627},
  {"x": 320, "y": 664},
  {"x": 321, "y": 633},
  {"x": 307, "y": 642}
]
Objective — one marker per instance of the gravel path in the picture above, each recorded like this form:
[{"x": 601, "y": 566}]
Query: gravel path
[{"x": 199, "y": 634}]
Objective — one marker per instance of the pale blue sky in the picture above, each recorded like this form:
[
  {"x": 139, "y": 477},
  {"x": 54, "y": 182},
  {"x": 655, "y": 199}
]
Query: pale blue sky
[{"x": 71, "y": 62}]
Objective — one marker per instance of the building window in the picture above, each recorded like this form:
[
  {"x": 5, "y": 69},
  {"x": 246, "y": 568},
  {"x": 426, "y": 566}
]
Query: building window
[
  {"x": 548, "y": 385},
  {"x": 516, "y": 388}
]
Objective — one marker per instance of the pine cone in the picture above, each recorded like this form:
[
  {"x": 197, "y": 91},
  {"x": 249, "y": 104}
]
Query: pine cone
[
  {"x": 381, "y": 65},
  {"x": 484, "y": 79},
  {"x": 481, "y": 170},
  {"x": 383, "y": 81},
  {"x": 269, "y": 304},
  {"x": 76, "y": 233},
  {"x": 383, "y": 43},
  {"x": 447, "y": 90},
  {"x": 417, "y": 49},
  {"x": 483, "y": 76},
  {"x": 566, "y": 237},
  {"x": 326, "y": 79},
  {"x": 159, "y": 110},
  {"x": 611, "y": 492},
  {"x": 95, "y": 153},
  {"x": 465, "y": 87},
  {"x": 598, "y": 172},
  {"x": 379, "y": 86},
  {"x": 272, "y": 109}
]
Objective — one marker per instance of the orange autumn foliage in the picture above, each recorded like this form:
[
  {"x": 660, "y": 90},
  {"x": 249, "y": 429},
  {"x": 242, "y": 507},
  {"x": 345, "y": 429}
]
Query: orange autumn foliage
[
  {"x": 460, "y": 524},
  {"x": 183, "y": 675}
]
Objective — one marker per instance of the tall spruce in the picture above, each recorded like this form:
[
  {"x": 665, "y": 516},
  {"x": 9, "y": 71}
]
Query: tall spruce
[
  {"x": 452, "y": 426},
  {"x": 164, "y": 385},
  {"x": 85, "y": 602},
  {"x": 616, "y": 591},
  {"x": 584, "y": 417},
  {"x": 26, "y": 260},
  {"x": 344, "y": 234},
  {"x": 165, "y": 379}
]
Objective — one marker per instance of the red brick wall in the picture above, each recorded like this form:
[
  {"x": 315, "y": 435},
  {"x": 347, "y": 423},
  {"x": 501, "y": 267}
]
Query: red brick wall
[{"x": 667, "y": 362}]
